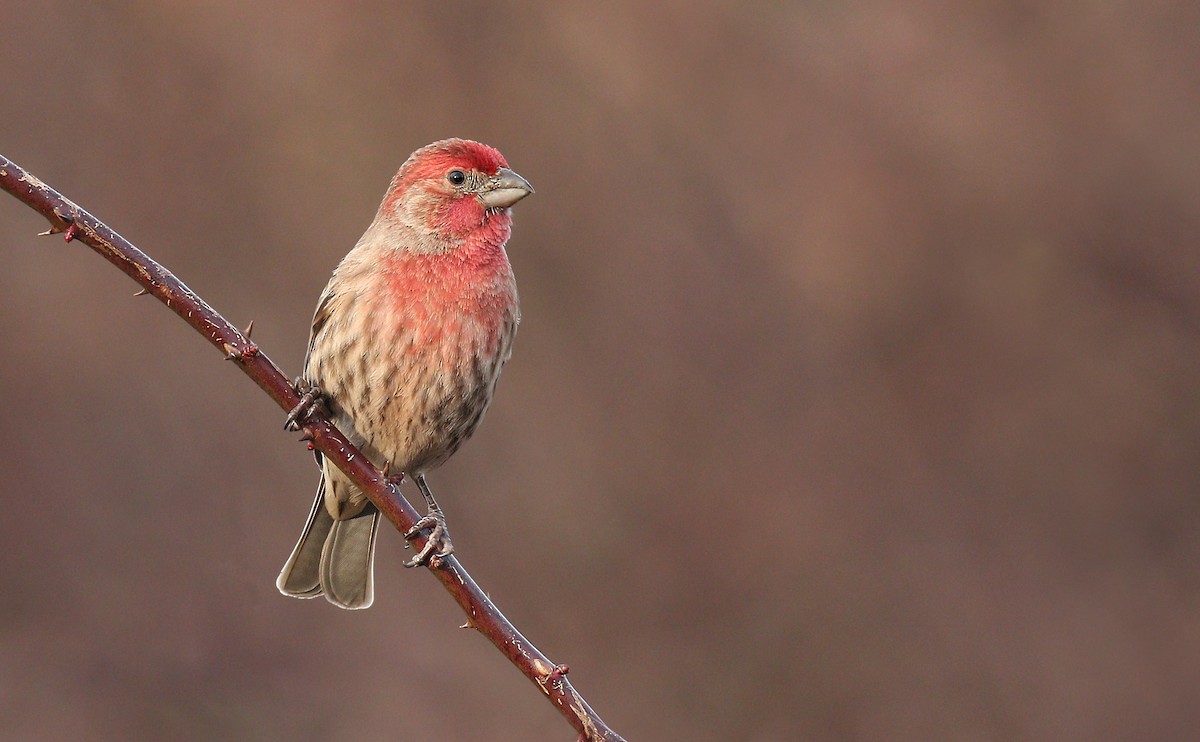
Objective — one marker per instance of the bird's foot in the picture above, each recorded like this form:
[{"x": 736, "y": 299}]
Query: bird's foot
[
  {"x": 311, "y": 399},
  {"x": 437, "y": 544}
]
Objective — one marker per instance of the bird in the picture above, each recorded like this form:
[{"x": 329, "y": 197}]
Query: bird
[{"x": 407, "y": 344}]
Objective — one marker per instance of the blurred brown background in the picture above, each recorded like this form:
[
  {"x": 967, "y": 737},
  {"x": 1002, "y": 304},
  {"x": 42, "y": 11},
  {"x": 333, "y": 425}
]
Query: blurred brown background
[{"x": 856, "y": 397}]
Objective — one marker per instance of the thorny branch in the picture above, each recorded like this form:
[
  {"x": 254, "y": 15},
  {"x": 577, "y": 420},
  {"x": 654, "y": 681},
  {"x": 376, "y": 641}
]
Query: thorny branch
[{"x": 76, "y": 224}]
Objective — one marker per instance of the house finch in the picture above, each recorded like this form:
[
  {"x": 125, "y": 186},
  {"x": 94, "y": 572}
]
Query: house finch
[{"x": 407, "y": 344}]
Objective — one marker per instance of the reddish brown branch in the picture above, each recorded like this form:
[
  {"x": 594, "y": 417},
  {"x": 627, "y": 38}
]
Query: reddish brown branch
[{"x": 76, "y": 224}]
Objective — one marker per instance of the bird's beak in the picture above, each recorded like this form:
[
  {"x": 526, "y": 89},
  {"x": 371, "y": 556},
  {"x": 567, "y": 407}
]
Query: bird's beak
[{"x": 504, "y": 189}]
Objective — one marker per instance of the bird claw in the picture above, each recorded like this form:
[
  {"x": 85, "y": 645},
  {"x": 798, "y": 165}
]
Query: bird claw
[
  {"x": 437, "y": 544},
  {"x": 311, "y": 399}
]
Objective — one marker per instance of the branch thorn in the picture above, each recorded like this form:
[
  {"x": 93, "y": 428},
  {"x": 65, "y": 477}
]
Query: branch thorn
[
  {"x": 233, "y": 354},
  {"x": 57, "y": 227},
  {"x": 249, "y": 329},
  {"x": 141, "y": 292}
]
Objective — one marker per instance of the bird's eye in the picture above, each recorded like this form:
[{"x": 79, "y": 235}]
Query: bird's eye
[{"x": 456, "y": 177}]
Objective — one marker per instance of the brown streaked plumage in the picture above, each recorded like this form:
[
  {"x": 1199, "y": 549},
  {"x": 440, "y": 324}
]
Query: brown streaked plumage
[{"x": 406, "y": 347}]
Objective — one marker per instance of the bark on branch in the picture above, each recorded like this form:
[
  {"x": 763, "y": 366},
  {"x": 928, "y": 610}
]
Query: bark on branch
[{"x": 76, "y": 224}]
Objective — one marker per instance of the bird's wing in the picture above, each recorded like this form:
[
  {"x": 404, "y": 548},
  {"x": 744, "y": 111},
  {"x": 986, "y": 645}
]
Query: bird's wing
[{"x": 320, "y": 317}]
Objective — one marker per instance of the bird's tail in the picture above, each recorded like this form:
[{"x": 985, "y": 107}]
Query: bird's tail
[{"x": 334, "y": 558}]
